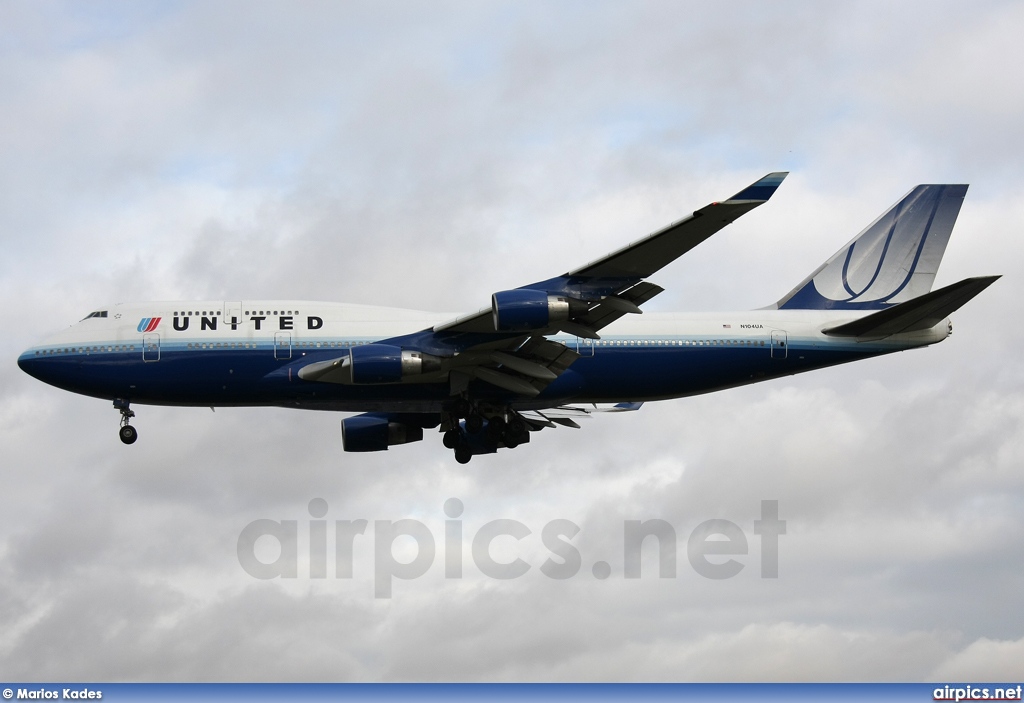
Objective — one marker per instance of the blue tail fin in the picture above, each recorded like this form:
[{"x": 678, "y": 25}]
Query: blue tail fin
[{"x": 894, "y": 260}]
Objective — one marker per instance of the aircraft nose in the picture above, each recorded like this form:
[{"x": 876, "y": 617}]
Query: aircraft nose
[{"x": 28, "y": 363}]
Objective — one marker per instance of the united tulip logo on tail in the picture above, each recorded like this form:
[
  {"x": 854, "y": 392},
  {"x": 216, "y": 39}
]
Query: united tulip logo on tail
[{"x": 148, "y": 324}]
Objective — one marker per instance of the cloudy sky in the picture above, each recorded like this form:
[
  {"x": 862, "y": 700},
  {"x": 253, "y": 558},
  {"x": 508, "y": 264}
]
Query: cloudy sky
[{"x": 426, "y": 155}]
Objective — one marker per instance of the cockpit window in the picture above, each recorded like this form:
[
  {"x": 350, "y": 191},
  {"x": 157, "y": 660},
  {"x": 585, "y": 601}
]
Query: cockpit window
[{"x": 98, "y": 313}]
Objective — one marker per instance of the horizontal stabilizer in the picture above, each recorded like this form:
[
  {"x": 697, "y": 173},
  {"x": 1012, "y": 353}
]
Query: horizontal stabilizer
[{"x": 921, "y": 313}]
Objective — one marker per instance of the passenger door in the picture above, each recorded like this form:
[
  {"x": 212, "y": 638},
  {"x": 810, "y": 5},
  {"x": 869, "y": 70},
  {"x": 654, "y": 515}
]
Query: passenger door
[
  {"x": 283, "y": 345},
  {"x": 779, "y": 345},
  {"x": 151, "y": 347}
]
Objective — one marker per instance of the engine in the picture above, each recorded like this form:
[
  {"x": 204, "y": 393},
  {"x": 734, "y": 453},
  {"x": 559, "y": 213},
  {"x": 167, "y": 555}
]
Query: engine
[
  {"x": 375, "y": 433},
  {"x": 525, "y": 309},
  {"x": 384, "y": 363}
]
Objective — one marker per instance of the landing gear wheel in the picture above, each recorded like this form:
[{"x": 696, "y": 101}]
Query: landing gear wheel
[
  {"x": 510, "y": 438},
  {"x": 128, "y": 434},
  {"x": 495, "y": 428},
  {"x": 450, "y": 439},
  {"x": 516, "y": 432},
  {"x": 474, "y": 423},
  {"x": 517, "y": 425},
  {"x": 463, "y": 455}
]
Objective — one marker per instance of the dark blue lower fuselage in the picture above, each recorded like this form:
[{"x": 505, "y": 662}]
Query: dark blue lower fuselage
[{"x": 254, "y": 377}]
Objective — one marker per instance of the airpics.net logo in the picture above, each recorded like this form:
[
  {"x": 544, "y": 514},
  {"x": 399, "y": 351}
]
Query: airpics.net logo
[{"x": 269, "y": 549}]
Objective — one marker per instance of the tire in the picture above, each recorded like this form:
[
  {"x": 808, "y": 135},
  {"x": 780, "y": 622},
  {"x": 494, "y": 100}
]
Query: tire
[
  {"x": 474, "y": 423},
  {"x": 128, "y": 434},
  {"x": 495, "y": 428},
  {"x": 463, "y": 455},
  {"x": 450, "y": 439}
]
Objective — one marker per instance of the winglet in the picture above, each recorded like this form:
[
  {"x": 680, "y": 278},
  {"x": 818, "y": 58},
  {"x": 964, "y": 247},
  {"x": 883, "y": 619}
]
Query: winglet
[{"x": 763, "y": 189}]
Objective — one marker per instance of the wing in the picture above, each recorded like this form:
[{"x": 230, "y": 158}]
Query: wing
[
  {"x": 613, "y": 285},
  {"x": 505, "y": 346}
]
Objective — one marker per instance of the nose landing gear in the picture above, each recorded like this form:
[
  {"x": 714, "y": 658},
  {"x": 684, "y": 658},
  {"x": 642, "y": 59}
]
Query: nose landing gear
[{"x": 127, "y": 433}]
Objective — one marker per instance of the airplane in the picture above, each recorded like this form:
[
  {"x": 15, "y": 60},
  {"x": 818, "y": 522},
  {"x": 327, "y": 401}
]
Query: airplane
[{"x": 539, "y": 356}]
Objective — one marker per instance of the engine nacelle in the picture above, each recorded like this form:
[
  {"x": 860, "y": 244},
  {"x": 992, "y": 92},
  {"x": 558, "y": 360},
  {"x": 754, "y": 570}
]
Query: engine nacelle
[
  {"x": 384, "y": 363},
  {"x": 375, "y": 433},
  {"x": 525, "y": 309}
]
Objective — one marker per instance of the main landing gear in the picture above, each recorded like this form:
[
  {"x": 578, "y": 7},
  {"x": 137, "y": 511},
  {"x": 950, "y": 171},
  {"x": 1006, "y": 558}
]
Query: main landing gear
[
  {"x": 483, "y": 430},
  {"x": 127, "y": 433}
]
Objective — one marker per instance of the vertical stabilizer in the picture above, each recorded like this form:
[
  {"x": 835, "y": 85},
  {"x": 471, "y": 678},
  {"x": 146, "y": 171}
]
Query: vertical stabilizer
[{"x": 892, "y": 261}]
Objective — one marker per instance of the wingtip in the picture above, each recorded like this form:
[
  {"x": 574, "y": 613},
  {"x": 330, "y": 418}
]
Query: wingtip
[
  {"x": 763, "y": 189},
  {"x": 983, "y": 281}
]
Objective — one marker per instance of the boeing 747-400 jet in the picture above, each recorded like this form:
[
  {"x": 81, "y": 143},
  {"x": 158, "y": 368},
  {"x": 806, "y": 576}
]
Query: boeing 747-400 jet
[{"x": 538, "y": 356}]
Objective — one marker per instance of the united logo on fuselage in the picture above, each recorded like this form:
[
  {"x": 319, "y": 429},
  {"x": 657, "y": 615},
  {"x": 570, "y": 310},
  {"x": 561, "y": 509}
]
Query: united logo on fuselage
[
  {"x": 148, "y": 324},
  {"x": 283, "y": 322}
]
